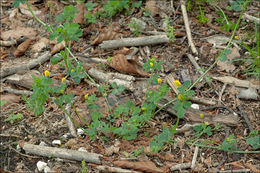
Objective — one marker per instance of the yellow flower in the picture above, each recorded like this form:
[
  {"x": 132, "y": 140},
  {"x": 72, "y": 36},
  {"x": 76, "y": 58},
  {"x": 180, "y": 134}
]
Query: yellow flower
[
  {"x": 177, "y": 83},
  {"x": 180, "y": 97},
  {"x": 159, "y": 80},
  {"x": 86, "y": 96},
  {"x": 236, "y": 37},
  {"x": 201, "y": 115},
  {"x": 151, "y": 64},
  {"x": 228, "y": 139},
  {"x": 72, "y": 70},
  {"x": 206, "y": 123},
  {"x": 47, "y": 73},
  {"x": 63, "y": 79},
  {"x": 143, "y": 108},
  {"x": 150, "y": 92},
  {"x": 61, "y": 91}
]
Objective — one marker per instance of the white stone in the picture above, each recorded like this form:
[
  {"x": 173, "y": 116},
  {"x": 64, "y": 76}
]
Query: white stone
[
  {"x": 82, "y": 149},
  {"x": 41, "y": 165},
  {"x": 47, "y": 169},
  {"x": 42, "y": 143},
  {"x": 80, "y": 132},
  {"x": 56, "y": 142},
  {"x": 195, "y": 106}
]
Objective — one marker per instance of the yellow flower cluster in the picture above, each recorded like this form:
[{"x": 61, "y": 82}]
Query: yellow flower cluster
[
  {"x": 177, "y": 83},
  {"x": 151, "y": 64},
  {"x": 86, "y": 96},
  {"x": 63, "y": 79},
  {"x": 159, "y": 80},
  {"x": 46, "y": 73},
  {"x": 72, "y": 70}
]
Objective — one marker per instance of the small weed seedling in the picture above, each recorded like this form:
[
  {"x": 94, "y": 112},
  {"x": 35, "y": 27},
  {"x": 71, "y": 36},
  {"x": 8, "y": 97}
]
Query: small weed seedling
[
  {"x": 13, "y": 117},
  {"x": 169, "y": 30},
  {"x": 136, "y": 26}
]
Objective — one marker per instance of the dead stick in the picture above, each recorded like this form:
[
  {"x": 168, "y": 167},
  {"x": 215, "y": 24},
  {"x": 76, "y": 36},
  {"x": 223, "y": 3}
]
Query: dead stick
[
  {"x": 25, "y": 66},
  {"x": 139, "y": 41},
  {"x": 187, "y": 27},
  {"x": 68, "y": 120},
  {"x": 62, "y": 153}
]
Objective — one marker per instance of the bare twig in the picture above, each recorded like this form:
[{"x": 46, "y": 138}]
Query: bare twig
[
  {"x": 187, "y": 27},
  {"x": 251, "y": 18},
  {"x": 181, "y": 166},
  {"x": 68, "y": 120},
  {"x": 139, "y": 41},
  {"x": 221, "y": 93},
  {"x": 195, "y": 155},
  {"x": 244, "y": 115}
]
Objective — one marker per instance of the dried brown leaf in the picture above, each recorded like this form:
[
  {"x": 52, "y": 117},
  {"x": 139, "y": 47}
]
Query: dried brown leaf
[
  {"x": 146, "y": 166},
  {"x": 10, "y": 98},
  {"x": 79, "y": 18},
  {"x": 18, "y": 33},
  {"x": 151, "y": 6},
  {"x": 121, "y": 64},
  {"x": 58, "y": 47},
  {"x": 110, "y": 35},
  {"x": 22, "y": 48}
]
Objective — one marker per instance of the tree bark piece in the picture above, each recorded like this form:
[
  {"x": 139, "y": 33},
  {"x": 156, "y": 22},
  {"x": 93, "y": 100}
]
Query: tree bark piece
[
  {"x": 62, "y": 153},
  {"x": 125, "y": 80},
  {"x": 25, "y": 66},
  {"x": 139, "y": 41},
  {"x": 187, "y": 27}
]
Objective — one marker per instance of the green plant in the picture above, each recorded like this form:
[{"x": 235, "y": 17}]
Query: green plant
[
  {"x": 201, "y": 129},
  {"x": 254, "y": 139},
  {"x": 138, "y": 151},
  {"x": 2, "y": 102},
  {"x": 13, "y": 117},
  {"x": 254, "y": 56},
  {"x": 84, "y": 168},
  {"x": 229, "y": 144},
  {"x": 169, "y": 30},
  {"x": 227, "y": 25},
  {"x": 136, "y": 26}
]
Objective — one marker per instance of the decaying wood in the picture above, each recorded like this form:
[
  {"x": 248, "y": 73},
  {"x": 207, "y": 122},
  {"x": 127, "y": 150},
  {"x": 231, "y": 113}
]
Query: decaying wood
[
  {"x": 236, "y": 82},
  {"x": 187, "y": 27},
  {"x": 193, "y": 115},
  {"x": 17, "y": 92},
  {"x": 24, "y": 66},
  {"x": 114, "y": 169},
  {"x": 139, "y": 41},
  {"x": 110, "y": 78},
  {"x": 62, "y": 153}
]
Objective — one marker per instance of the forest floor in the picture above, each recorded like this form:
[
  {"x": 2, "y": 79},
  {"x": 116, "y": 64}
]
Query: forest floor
[{"x": 219, "y": 133}]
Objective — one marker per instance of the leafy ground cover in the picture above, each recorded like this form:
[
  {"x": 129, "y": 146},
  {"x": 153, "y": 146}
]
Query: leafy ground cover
[{"x": 165, "y": 105}]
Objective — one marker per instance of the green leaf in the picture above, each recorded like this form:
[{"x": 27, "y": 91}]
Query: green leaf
[
  {"x": 3, "y": 102},
  {"x": 60, "y": 18},
  {"x": 254, "y": 142},
  {"x": 16, "y": 3},
  {"x": 90, "y": 6},
  {"x": 55, "y": 59},
  {"x": 187, "y": 104},
  {"x": 137, "y": 4},
  {"x": 235, "y": 6}
]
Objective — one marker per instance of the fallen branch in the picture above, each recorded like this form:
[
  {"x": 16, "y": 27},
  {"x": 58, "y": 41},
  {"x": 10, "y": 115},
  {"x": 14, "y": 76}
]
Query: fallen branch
[
  {"x": 125, "y": 80},
  {"x": 187, "y": 27},
  {"x": 195, "y": 155},
  {"x": 61, "y": 153},
  {"x": 236, "y": 82},
  {"x": 180, "y": 166},
  {"x": 25, "y": 66},
  {"x": 17, "y": 92},
  {"x": 251, "y": 18},
  {"x": 114, "y": 169},
  {"x": 139, "y": 41}
]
